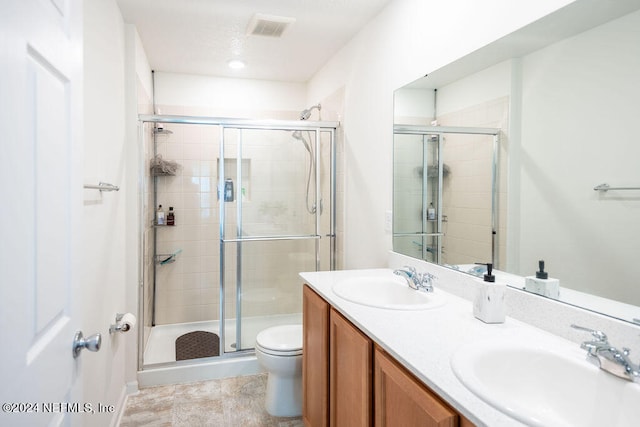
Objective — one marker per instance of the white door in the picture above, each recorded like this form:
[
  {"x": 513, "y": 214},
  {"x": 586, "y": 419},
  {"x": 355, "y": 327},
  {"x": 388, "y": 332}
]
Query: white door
[{"x": 41, "y": 196}]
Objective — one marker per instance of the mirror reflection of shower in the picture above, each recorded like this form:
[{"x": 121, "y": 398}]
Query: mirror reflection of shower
[{"x": 305, "y": 115}]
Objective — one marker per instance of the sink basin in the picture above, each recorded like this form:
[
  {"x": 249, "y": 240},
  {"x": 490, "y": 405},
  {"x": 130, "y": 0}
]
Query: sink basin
[
  {"x": 386, "y": 291},
  {"x": 542, "y": 386}
]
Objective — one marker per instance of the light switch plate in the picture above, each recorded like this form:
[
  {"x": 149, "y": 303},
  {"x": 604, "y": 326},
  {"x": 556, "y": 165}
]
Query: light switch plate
[{"x": 388, "y": 221}]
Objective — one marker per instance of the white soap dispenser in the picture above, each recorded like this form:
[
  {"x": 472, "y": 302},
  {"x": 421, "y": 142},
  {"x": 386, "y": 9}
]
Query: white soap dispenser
[
  {"x": 488, "y": 305},
  {"x": 542, "y": 284}
]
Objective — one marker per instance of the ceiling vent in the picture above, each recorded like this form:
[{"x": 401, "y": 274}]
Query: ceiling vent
[{"x": 268, "y": 25}]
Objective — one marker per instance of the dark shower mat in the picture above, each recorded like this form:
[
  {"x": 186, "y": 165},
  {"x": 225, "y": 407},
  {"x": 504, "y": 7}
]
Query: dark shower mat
[{"x": 195, "y": 345}]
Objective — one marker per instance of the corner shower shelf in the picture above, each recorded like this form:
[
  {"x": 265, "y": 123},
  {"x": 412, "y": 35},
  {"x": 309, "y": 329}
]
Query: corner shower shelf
[
  {"x": 163, "y": 259},
  {"x": 153, "y": 223}
]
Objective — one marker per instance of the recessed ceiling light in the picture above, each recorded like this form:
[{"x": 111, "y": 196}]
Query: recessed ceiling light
[{"x": 236, "y": 64}]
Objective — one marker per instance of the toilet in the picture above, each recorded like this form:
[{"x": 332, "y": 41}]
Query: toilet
[{"x": 279, "y": 351}]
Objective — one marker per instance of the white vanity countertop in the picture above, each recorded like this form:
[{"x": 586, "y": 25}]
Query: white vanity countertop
[{"x": 424, "y": 341}]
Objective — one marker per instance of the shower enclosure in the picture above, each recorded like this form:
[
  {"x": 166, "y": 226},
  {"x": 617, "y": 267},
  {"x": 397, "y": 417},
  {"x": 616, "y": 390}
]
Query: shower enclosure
[
  {"x": 254, "y": 205},
  {"x": 446, "y": 193}
]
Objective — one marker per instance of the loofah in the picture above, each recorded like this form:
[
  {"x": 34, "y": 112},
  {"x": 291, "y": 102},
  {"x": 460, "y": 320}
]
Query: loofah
[{"x": 159, "y": 166}]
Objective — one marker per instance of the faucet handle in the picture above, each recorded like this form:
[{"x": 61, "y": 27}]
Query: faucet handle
[
  {"x": 428, "y": 277},
  {"x": 598, "y": 335},
  {"x": 410, "y": 269}
]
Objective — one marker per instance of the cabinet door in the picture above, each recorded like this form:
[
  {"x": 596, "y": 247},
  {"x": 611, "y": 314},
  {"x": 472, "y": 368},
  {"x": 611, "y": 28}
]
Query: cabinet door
[
  {"x": 315, "y": 360},
  {"x": 401, "y": 400},
  {"x": 350, "y": 370}
]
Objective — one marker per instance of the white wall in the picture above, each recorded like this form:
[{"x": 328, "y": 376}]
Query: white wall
[
  {"x": 105, "y": 214},
  {"x": 233, "y": 97},
  {"x": 413, "y": 106},
  {"x": 405, "y": 41},
  {"x": 486, "y": 85}
]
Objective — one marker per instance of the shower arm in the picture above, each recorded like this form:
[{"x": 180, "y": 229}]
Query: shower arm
[{"x": 305, "y": 114}]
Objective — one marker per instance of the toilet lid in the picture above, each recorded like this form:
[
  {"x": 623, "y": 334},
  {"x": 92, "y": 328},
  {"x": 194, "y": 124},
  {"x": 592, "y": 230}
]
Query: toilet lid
[{"x": 285, "y": 338}]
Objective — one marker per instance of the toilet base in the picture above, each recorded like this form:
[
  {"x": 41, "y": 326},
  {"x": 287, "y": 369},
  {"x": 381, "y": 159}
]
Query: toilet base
[{"x": 284, "y": 395}]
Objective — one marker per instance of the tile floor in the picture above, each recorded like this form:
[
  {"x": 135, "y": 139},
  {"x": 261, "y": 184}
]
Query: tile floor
[{"x": 229, "y": 402}]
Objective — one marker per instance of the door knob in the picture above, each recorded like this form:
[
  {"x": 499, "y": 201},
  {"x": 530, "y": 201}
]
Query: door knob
[{"x": 91, "y": 343}]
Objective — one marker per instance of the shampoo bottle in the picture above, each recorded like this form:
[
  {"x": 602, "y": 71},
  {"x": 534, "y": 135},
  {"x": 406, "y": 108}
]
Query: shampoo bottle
[
  {"x": 160, "y": 216},
  {"x": 171, "y": 217},
  {"x": 228, "y": 190},
  {"x": 431, "y": 212},
  {"x": 488, "y": 304},
  {"x": 542, "y": 284}
]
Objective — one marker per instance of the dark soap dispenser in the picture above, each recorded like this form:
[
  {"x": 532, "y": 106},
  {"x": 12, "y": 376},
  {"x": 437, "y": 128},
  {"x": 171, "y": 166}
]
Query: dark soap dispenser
[
  {"x": 542, "y": 284},
  {"x": 489, "y": 277}
]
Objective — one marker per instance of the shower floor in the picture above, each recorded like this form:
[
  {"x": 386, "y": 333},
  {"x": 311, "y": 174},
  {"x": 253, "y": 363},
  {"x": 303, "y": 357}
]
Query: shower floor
[{"x": 162, "y": 340}]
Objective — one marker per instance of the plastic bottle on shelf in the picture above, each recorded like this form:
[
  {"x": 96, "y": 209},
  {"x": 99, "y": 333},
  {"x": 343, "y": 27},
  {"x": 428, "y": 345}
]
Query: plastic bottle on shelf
[
  {"x": 171, "y": 218},
  {"x": 228, "y": 190},
  {"x": 431, "y": 213},
  {"x": 160, "y": 218}
]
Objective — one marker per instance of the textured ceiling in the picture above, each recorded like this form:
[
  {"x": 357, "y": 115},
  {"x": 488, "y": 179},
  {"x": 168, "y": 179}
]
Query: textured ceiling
[{"x": 201, "y": 36}]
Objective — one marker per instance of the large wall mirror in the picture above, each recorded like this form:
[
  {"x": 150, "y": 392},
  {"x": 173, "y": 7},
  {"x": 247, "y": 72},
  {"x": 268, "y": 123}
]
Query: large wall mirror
[{"x": 560, "y": 179}]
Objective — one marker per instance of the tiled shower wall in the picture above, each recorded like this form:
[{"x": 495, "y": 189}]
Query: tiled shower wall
[{"x": 182, "y": 285}]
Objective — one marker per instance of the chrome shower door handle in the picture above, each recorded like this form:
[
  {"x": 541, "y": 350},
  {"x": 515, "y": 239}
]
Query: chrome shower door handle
[{"x": 91, "y": 343}]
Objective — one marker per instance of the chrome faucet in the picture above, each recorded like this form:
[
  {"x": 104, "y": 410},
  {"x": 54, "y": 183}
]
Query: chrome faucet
[
  {"x": 415, "y": 280},
  {"x": 609, "y": 358}
]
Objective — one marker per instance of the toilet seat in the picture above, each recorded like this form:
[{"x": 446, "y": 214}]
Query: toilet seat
[{"x": 284, "y": 340}]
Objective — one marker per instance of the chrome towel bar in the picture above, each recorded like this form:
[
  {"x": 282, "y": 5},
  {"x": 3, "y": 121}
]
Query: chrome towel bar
[
  {"x": 607, "y": 187},
  {"x": 103, "y": 186}
]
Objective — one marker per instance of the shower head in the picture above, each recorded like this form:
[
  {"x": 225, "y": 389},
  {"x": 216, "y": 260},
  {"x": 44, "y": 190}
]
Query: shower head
[
  {"x": 305, "y": 114},
  {"x": 297, "y": 135}
]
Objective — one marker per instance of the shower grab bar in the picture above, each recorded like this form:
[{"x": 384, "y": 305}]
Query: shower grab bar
[
  {"x": 267, "y": 238},
  {"x": 607, "y": 187},
  {"x": 102, "y": 186},
  {"x": 417, "y": 234}
]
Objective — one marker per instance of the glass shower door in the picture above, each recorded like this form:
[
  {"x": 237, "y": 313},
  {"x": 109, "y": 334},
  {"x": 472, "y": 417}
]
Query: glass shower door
[{"x": 270, "y": 227}]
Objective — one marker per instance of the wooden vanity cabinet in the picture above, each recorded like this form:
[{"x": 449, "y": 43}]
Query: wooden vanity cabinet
[
  {"x": 315, "y": 359},
  {"x": 402, "y": 400},
  {"x": 337, "y": 364},
  {"x": 348, "y": 383},
  {"x": 350, "y": 374}
]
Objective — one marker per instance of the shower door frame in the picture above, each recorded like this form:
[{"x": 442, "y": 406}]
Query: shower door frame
[{"x": 318, "y": 127}]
